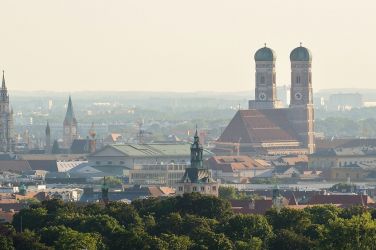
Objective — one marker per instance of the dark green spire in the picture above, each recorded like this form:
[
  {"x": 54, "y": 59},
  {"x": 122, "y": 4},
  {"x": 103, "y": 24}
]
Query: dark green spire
[
  {"x": 105, "y": 191},
  {"x": 48, "y": 130},
  {"x": 196, "y": 152},
  {"x": 69, "y": 116}
]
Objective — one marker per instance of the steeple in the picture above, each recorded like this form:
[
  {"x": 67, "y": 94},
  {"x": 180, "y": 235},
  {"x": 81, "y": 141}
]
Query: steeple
[
  {"x": 3, "y": 83},
  {"x": 48, "y": 130},
  {"x": 196, "y": 152},
  {"x": 69, "y": 116},
  {"x": 104, "y": 190},
  {"x": 4, "y": 92}
]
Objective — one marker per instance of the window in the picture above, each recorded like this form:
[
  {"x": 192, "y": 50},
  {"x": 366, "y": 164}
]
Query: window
[
  {"x": 122, "y": 162},
  {"x": 214, "y": 188},
  {"x": 109, "y": 162},
  {"x": 180, "y": 188},
  {"x": 202, "y": 188},
  {"x": 194, "y": 189},
  {"x": 262, "y": 80},
  {"x": 298, "y": 79}
]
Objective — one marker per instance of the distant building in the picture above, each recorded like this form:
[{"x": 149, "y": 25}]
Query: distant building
[
  {"x": 238, "y": 169},
  {"x": 69, "y": 126},
  {"x": 265, "y": 128},
  {"x": 197, "y": 178},
  {"x": 345, "y": 101},
  {"x": 133, "y": 155},
  {"x": 338, "y": 153},
  {"x": 6, "y": 120},
  {"x": 157, "y": 174}
]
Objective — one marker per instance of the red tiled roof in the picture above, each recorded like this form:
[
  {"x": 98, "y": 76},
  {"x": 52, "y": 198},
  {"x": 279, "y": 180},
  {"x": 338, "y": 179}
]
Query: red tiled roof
[
  {"x": 343, "y": 199},
  {"x": 256, "y": 126},
  {"x": 233, "y": 163}
]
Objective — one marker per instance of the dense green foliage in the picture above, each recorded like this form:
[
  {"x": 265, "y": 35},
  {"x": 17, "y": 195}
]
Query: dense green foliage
[{"x": 189, "y": 222}]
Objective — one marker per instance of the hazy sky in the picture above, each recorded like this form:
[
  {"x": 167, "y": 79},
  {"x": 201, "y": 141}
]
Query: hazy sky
[{"x": 176, "y": 45}]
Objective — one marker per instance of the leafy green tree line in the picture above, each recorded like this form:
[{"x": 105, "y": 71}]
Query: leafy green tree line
[{"x": 190, "y": 222}]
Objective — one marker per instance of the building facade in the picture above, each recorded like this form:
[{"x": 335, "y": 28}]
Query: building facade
[
  {"x": 6, "y": 120},
  {"x": 266, "y": 128}
]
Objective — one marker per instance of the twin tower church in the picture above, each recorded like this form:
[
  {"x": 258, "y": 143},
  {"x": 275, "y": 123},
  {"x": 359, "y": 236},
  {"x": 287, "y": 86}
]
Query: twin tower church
[{"x": 266, "y": 128}]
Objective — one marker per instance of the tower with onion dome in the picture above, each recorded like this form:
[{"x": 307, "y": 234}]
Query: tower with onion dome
[
  {"x": 301, "y": 99},
  {"x": 265, "y": 80}
]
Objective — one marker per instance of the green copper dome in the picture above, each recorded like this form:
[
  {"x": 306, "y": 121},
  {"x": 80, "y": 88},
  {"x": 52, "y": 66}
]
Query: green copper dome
[
  {"x": 265, "y": 54},
  {"x": 300, "y": 54}
]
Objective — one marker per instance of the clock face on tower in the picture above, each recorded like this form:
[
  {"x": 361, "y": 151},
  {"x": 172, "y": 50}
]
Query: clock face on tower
[
  {"x": 262, "y": 96},
  {"x": 298, "y": 96}
]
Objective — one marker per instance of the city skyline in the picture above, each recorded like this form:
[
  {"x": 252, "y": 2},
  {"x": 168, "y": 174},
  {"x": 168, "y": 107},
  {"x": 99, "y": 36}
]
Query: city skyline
[{"x": 135, "y": 46}]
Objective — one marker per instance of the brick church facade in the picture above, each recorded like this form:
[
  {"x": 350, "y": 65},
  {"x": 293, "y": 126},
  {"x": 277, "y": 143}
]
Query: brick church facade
[{"x": 265, "y": 127}]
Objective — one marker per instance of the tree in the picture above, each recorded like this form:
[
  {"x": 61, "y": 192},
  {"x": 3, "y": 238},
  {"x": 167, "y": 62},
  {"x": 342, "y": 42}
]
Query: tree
[
  {"x": 293, "y": 219},
  {"x": 287, "y": 239},
  {"x": 31, "y": 218},
  {"x": 124, "y": 213},
  {"x": 71, "y": 239},
  {"x": 244, "y": 227},
  {"x": 177, "y": 242},
  {"x": 6, "y": 243},
  {"x": 28, "y": 240},
  {"x": 322, "y": 214},
  {"x": 228, "y": 193},
  {"x": 359, "y": 232}
]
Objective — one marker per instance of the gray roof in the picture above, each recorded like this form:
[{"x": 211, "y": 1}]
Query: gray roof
[{"x": 154, "y": 150}]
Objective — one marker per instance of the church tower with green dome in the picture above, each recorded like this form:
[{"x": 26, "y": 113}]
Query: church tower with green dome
[
  {"x": 301, "y": 99},
  {"x": 197, "y": 177},
  {"x": 265, "y": 80}
]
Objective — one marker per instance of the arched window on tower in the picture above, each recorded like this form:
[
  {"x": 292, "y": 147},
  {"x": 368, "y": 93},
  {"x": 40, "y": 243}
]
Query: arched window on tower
[
  {"x": 274, "y": 80},
  {"x": 297, "y": 79},
  {"x": 262, "y": 80},
  {"x": 310, "y": 77}
]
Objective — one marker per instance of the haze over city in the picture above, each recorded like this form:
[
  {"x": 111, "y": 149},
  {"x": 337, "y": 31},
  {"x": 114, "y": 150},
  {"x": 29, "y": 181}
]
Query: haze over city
[{"x": 181, "y": 45}]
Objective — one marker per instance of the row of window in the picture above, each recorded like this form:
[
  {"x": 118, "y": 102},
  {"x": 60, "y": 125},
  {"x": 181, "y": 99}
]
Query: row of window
[
  {"x": 202, "y": 189},
  {"x": 109, "y": 163}
]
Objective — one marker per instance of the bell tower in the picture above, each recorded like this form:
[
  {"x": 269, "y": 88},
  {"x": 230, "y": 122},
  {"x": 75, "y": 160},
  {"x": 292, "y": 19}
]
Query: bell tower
[
  {"x": 70, "y": 126},
  {"x": 265, "y": 80},
  {"x": 6, "y": 120},
  {"x": 301, "y": 99}
]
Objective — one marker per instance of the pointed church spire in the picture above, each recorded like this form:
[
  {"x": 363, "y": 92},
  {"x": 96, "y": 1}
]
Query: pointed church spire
[
  {"x": 48, "y": 130},
  {"x": 69, "y": 116},
  {"x": 3, "y": 82}
]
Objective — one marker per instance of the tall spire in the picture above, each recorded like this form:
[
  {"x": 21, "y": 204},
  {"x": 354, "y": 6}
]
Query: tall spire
[
  {"x": 48, "y": 130},
  {"x": 69, "y": 116},
  {"x": 3, "y": 83},
  {"x": 196, "y": 152}
]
